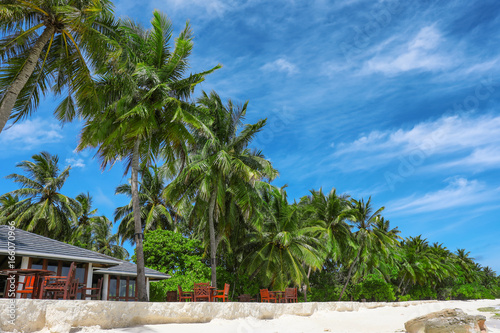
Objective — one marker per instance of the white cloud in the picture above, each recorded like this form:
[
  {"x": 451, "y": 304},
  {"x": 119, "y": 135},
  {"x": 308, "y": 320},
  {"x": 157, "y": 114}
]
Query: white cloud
[
  {"x": 475, "y": 139},
  {"x": 76, "y": 163},
  {"x": 422, "y": 52},
  {"x": 280, "y": 65},
  {"x": 30, "y": 133},
  {"x": 460, "y": 192}
]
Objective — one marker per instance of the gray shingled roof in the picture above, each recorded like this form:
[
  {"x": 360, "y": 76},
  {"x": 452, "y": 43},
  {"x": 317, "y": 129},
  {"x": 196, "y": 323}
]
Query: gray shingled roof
[
  {"x": 33, "y": 245},
  {"x": 128, "y": 268}
]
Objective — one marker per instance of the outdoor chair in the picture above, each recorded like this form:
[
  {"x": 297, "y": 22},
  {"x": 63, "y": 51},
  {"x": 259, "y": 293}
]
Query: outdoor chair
[
  {"x": 27, "y": 288},
  {"x": 184, "y": 295},
  {"x": 223, "y": 294},
  {"x": 265, "y": 296},
  {"x": 291, "y": 295},
  {"x": 95, "y": 293},
  {"x": 65, "y": 287},
  {"x": 171, "y": 296},
  {"x": 202, "y": 292}
]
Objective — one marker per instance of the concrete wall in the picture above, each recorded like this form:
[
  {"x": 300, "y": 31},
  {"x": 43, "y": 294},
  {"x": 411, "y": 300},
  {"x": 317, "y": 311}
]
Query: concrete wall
[{"x": 61, "y": 316}]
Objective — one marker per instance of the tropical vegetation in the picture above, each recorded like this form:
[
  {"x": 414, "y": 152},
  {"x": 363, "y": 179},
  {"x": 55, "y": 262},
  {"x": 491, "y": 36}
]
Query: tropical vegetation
[{"x": 203, "y": 206}]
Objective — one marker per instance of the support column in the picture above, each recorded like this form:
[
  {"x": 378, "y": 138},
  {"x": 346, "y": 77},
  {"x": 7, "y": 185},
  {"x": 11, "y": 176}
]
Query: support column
[
  {"x": 147, "y": 287},
  {"x": 24, "y": 264},
  {"x": 105, "y": 287},
  {"x": 90, "y": 274}
]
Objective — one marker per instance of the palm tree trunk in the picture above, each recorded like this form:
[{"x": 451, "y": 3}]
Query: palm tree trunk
[
  {"x": 305, "y": 285},
  {"x": 10, "y": 95},
  {"x": 141, "y": 276},
  {"x": 213, "y": 245},
  {"x": 350, "y": 272}
]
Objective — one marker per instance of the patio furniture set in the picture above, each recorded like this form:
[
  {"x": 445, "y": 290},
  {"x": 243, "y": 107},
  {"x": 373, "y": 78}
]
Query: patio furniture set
[
  {"x": 43, "y": 284},
  {"x": 203, "y": 292}
]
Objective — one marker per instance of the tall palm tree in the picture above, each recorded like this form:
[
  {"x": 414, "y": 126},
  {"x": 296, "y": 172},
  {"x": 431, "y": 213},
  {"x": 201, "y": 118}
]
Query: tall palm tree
[
  {"x": 285, "y": 244},
  {"x": 142, "y": 113},
  {"x": 103, "y": 241},
  {"x": 369, "y": 240},
  {"x": 220, "y": 163},
  {"x": 156, "y": 213},
  {"x": 332, "y": 210},
  {"x": 44, "y": 44},
  {"x": 43, "y": 209}
]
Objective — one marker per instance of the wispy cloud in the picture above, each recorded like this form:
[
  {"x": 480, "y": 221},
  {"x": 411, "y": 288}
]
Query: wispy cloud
[
  {"x": 474, "y": 138},
  {"x": 75, "y": 162},
  {"x": 460, "y": 192},
  {"x": 30, "y": 134},
  {"x": 420, "y": 53},
  {"x": 280, "y": 65}
]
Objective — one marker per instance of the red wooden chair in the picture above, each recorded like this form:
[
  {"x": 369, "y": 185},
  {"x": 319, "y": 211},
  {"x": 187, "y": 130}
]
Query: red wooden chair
[
  {"x": 291, "y": 295},
  {"x": 184, "y": 295},
  {"x": 222, "y": 294},
  {"x": 202, "y": 292},
  {"x": 27, "y": 288},
  {"x": 65, "y": 287},
  {"x": 95, "y": 293},
  {"x": 265, "y": 296}
]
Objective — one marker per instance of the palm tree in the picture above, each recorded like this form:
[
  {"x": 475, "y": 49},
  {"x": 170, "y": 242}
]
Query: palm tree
[
  {"x": 285, "y": 244},
  {"x": 143, "y": 111},
  {"x": 103, "y": 241},
  {"x": 370, "y": 241},
  {"x": 332, "y": 210},
  {"x": 82, "y": 232},
  {"x": 8, "y": 204},
  {"x": 466, "y": 263},
  {"x": 156, "y": 213},
  {"x": 43, "y": 209},
  {"x": 220, "y": 163},
  {"x": 44, "y": 44}
]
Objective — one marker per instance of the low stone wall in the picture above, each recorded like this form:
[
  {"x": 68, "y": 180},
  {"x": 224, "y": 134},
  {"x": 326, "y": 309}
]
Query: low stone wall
[{"x": 61, "y": 316}]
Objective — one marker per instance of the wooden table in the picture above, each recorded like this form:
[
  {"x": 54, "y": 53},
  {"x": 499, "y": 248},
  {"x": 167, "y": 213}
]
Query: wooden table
[
  {"x": 280, "y": 295},
  {"x": 38, "y": 274}
]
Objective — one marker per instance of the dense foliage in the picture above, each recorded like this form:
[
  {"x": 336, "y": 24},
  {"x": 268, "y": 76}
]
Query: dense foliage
[{"x": 199, "y": 190}]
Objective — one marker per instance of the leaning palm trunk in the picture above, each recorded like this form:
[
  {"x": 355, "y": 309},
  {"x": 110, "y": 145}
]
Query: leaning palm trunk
[
  {"x": 141, "y": 277},
  {"x": 350, "y": 272},
  {"x": 10, "y": 96},
  {"x": 213, "y": 245}
]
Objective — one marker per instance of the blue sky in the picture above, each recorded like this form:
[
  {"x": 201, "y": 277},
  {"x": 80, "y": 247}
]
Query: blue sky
[{"x": 397, "y": 100}]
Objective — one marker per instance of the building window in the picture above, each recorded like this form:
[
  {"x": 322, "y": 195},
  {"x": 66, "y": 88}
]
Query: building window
[{"x": 122, "y": 288}]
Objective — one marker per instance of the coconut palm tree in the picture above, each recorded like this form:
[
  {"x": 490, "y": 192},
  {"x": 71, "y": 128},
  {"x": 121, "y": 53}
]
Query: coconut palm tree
[
  {"x": 220, "y": 163},
  {"x": 142, "y": 113},
  {"x": 156, "y": 213},
  {"x": 371, "y": 242},
  {"x": 43, "y": 209},
  {"x": 103, "y": 241},
  {"x": 44, "y": 44},
  {"x": 285, "y": 244},
  {"x": 331, "y": 210}
]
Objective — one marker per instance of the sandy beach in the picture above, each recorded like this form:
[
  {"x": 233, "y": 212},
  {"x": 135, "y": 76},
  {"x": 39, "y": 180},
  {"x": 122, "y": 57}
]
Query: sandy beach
[{"x": 380, "y": 320}]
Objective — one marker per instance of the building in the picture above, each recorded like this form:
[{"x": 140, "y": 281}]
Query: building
[{"x": 38, "y": 252}]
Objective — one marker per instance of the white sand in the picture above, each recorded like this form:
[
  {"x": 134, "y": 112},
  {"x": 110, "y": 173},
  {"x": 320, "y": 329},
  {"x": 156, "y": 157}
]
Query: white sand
[{"x": 380, "y": 320}]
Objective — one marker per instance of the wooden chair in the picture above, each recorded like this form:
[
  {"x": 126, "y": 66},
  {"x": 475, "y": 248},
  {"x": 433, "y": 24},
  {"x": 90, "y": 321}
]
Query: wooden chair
[
  {"x": 222, "y": 294},
  {"x": 95, "y": 293},
  {"x": 202, "y": 292},
  {"x": 266, "y": 297},
  {"x": 62, "y": 286},
  {"x": 171, "y": 296},
  {"x": 291, "y": 295},
  {"x": 28, "y": 286},
  {"x": 184, "y": 295}
]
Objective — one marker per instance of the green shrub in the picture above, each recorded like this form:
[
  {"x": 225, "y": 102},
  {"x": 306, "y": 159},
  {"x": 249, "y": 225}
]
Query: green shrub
[
  {"x": 422, "y": 292},
  {"x": 404, "y": 298},
  {"x": 471, "y": 291},
  {"x": 374, "y": 288}
]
